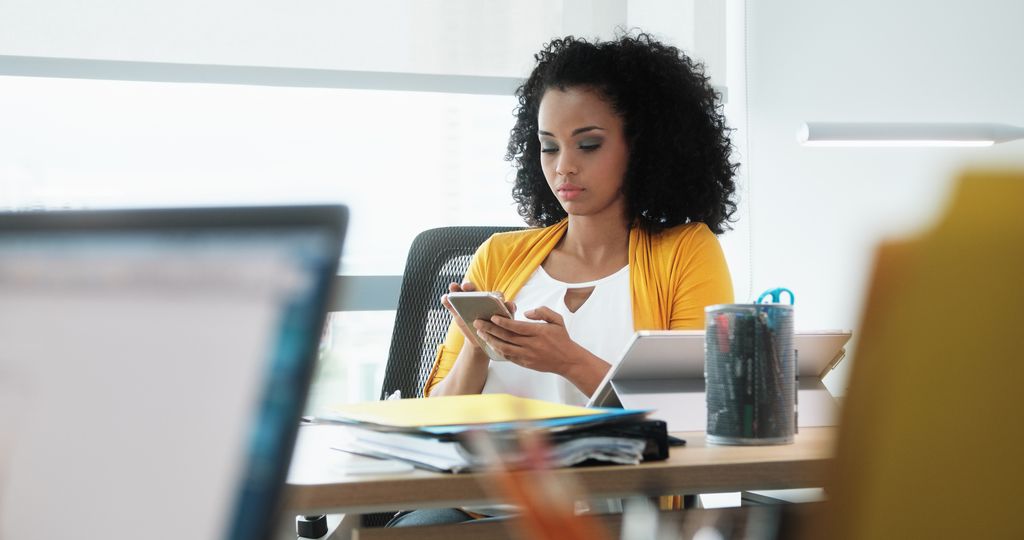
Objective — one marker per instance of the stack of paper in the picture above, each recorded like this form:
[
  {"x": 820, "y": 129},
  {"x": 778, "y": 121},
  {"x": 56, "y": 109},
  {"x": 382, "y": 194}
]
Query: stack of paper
[{"x": 432, "y": 432}]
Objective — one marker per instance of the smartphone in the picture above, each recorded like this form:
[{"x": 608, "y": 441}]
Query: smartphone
[{"x": 470, "y": 306}]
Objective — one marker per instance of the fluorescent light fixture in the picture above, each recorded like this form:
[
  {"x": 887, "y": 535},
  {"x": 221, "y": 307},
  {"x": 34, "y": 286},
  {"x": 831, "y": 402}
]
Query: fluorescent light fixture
[{"x": 906, "y": 134}]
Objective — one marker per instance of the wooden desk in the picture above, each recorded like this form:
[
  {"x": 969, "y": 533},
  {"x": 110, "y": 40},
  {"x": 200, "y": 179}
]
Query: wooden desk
[{"x": 318, "y": 482}]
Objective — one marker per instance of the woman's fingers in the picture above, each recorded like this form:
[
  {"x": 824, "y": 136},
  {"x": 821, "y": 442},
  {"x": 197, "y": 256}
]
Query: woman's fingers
[
  {"x": 492, "y": 329},
  {"x": 507, "y": 349},
  {"x": 465, "y": 286},
  {"x": 545, "y": 314},
  {"x": 521, "y": 328}
]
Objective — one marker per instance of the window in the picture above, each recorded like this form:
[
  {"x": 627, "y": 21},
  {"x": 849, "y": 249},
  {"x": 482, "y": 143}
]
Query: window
[{"x": 402, "y": 161}]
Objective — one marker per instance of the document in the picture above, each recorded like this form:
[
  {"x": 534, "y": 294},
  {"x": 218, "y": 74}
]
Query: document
[
  {"x": 456, "y": 456},
  {"x": 437, "y": 433}
]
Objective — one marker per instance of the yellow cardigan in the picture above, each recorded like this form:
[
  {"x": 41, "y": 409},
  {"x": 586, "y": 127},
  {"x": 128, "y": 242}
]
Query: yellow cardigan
[{"x": 673, "y": 276}]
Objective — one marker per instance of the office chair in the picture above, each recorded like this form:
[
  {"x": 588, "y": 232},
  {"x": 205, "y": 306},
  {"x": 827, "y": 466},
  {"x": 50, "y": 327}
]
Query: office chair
[{"x": 437, "y": 257}]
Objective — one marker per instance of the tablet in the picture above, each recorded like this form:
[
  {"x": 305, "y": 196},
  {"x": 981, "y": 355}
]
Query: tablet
[{"x": 679, "y": 355}]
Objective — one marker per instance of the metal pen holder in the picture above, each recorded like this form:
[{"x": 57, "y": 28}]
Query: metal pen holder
[{"x": 750, "y": 374}]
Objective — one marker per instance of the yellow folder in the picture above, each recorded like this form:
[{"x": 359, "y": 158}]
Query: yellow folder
[{"x": 455, "y": 410}]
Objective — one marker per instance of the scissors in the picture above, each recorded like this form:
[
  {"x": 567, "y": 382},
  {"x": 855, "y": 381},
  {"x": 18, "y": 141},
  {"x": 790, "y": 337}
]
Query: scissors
[{"x": 776, "y": 295}]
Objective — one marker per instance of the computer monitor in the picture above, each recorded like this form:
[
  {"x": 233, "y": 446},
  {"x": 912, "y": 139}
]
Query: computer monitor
[{"x": 154, "y": 365}]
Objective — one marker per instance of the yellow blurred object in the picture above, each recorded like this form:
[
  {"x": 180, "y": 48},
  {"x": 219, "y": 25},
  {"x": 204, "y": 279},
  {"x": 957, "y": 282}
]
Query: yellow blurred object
[
  {"x": 456, "y": 410},
  {"x": 932, "y": 433}
]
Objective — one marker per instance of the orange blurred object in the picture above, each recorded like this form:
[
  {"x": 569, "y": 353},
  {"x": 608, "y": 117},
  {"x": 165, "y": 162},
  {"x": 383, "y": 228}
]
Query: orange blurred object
[
  {"x": 546, "y": 506},
  {"x": 932, "y": 430}
]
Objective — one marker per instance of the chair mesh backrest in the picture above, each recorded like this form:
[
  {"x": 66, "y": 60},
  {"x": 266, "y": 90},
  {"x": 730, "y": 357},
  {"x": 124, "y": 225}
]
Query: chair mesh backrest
[{"x": 437, "y": 257}]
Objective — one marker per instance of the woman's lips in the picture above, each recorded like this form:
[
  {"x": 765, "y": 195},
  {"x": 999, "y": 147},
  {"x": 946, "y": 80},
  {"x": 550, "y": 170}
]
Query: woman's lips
[{"x": 569, "y": 192}]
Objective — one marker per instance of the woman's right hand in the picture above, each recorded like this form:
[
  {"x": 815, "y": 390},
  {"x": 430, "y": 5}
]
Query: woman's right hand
[
  {"x": 467, "y": 332},
  {"x": 469, "y": 373}
]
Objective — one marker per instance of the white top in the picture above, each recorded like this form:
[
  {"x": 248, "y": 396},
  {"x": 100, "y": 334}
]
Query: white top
[{"x": 603, "y": 325}]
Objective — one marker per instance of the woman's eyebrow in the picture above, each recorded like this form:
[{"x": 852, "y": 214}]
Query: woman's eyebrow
[{"x": 575, "y": 132}]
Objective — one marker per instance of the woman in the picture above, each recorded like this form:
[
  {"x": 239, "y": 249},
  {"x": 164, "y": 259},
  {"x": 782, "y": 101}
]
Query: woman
[{"x": 623, "y": 169}]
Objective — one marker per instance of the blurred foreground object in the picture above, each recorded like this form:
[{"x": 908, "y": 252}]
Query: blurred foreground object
[
  {"x": 156, "y": 363},
  {"x": 546, "y": 504},
  {"x": 932, "y": 427}
]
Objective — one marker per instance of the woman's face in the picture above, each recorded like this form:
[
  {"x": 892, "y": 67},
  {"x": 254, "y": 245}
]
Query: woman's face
[{"x": 583, "y": 152}]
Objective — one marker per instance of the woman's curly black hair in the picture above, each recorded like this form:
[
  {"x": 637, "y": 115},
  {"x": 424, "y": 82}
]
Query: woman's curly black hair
[{"x": 679, "y": 169}]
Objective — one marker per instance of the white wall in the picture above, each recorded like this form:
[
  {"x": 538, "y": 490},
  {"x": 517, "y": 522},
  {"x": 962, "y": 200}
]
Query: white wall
[{"x": 817, "y": 213}]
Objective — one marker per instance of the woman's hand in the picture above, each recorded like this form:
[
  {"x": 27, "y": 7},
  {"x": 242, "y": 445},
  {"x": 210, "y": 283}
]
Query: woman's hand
[
  {"x": 533, "y": 345},
  {"x": 469, "y": 373},
  {"x": 544, "y": 346},
  {"x": 467, "y": 333}
]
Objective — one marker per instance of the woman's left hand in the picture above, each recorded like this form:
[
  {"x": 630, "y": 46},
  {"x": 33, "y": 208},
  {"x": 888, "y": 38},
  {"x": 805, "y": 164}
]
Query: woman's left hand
[{"x": 542, "y": 346}]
